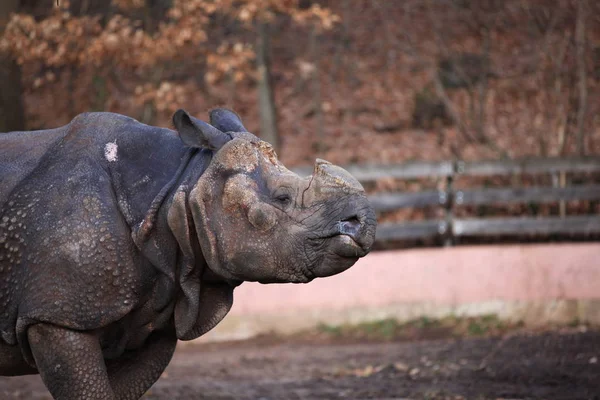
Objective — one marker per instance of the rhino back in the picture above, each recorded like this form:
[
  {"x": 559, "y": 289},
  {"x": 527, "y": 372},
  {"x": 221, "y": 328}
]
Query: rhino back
[
  {"x": 20, "y": 153},
  {"x": 66, "y": 254}
]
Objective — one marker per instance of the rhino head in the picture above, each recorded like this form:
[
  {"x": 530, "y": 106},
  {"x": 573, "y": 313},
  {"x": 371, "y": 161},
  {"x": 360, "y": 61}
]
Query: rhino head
[{"x": 257, "y": 221}]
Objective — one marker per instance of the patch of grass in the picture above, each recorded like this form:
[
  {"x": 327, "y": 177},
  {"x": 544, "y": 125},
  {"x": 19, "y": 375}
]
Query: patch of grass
[
  {"x": 484, "y": 325},
  {"x": 384, "y": 329},
  {"x": 574, "y": 323},
  {"x": 424, "y": 327},
  {"x": 424, "y": 323},
  {"x": 333, "y": 330},
  {"x": 476, "y": 329}
]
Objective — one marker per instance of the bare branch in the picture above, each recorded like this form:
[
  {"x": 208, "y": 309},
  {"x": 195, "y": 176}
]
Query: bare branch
[
  {"x": 456, "y": 118},
  {"x": 476, "y": 88}
]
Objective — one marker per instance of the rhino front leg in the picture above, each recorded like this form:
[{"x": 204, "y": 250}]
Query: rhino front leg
[
  {"x": 132, "y": 374},
  {"x": 70, "y": 363}
]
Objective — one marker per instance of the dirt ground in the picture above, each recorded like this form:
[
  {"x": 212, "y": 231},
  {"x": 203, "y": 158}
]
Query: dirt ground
[{"x": 561, "y": 364}]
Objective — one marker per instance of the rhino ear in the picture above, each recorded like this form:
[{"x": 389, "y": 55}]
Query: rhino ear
[
  {"x": 196, "y": 133},
  {"x": 226, "y": 120}
]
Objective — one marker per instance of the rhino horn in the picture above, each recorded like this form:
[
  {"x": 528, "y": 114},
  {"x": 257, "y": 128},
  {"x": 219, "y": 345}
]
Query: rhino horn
[{"x": 330, "y": 178}]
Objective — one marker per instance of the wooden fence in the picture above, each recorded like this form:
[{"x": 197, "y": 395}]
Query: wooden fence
[{"x": 449, "y": 228}]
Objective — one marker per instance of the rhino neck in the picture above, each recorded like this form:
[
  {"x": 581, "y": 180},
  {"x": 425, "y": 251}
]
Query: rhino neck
[
  {"x": 154, "y": 236},
  {"x": 202, "y": 298},
  {"x": 193, "y": 164},
  {"x": 183, "y": 227}
]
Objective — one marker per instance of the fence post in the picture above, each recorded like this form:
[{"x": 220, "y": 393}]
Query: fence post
[
  {"x": 563, "y": 184},
  {"x": 447, "y": 229},
  {"x": 559, "y": 179}
]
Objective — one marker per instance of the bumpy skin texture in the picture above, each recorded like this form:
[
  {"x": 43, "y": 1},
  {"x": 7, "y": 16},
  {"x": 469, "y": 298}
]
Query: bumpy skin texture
[{"x": 118, "y": 238}]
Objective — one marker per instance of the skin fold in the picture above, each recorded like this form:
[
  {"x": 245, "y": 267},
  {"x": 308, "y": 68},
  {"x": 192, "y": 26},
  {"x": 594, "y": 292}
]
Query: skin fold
[{"x": 118, "y": 238}]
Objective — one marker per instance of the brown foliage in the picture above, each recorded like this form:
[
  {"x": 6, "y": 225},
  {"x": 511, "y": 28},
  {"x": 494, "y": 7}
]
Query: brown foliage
[
  {"x": 121, "y": 51},
  {"x": 374, "y": 59}
]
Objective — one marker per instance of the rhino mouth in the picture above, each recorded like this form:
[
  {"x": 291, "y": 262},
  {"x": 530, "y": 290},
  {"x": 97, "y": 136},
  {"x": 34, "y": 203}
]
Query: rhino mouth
[
  {"x": 345, "y": 246},
  {"x": 349, "y": 237}
]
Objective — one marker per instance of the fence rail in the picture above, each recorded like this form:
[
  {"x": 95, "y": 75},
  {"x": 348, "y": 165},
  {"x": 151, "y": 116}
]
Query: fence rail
[
  {"x": 437, "y": 169},
  {"x": 527, "y": 195},
  {"x": 449, "y": 228}
]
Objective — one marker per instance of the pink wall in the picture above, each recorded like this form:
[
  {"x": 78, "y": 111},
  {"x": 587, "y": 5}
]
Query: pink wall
[{"x": 445, "y": 276}]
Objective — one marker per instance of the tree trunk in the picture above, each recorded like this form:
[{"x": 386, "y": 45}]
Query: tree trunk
[
  {"x": 318, "y": 98},
  {"x": 268, "y": 112},
  {"x": 12, "y": 116},
  {"x": 155, "y": 11},
  {"x": 580, "y": 41},
  {"x": 102, "y": 8}
]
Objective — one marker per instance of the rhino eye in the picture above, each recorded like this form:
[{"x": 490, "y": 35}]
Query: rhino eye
[{"x": 283, "y": 198}]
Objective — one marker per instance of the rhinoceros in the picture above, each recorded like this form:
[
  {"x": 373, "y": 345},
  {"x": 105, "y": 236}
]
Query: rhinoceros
[{"x": 118, "y": 238}]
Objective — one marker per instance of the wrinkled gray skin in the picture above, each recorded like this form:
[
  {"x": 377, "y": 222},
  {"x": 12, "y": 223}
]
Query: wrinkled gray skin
[{"x": 118, "y": 238}]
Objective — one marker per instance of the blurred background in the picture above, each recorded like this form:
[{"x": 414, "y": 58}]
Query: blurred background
[
  {"x": 474, "y": 126},
  {"x": 349, "y": 80}
]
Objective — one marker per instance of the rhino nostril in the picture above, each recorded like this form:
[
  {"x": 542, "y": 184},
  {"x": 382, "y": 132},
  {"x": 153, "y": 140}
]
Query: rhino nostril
[
  {"x": 351, "y": 220},
  {"x": 350, "y": 226}
]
